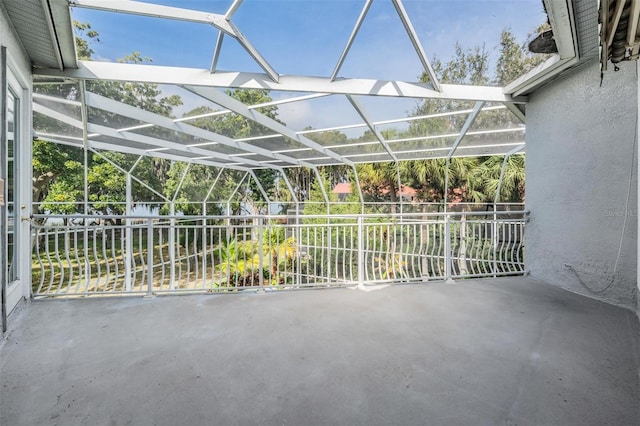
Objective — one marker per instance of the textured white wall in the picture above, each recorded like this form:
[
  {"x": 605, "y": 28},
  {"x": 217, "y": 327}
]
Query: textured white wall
[{"x": 581, "y": 155}]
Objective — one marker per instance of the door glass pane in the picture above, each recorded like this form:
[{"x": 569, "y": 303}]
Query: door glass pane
[{"x": 13, "y": 126}]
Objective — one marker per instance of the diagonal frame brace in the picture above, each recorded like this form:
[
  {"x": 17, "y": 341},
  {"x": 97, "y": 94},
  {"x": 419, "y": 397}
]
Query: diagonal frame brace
[
  {"x": 465, "y": 128},
  {"x": 116, "y": 107},
  {"x": 351, "y": 39},
  {"x": 260, "y": 187},
  {"x": 216, "y": 52},
  {"x": 232, "y": 9},
  {"x": 411, "y": 32},
  {"x": 136, "y": 137},
  {"x": 162, "y": 144},
  {"x": 360, "y": 110},
  {"x": 238, "y": 107},
  {"x": 517, "y": 111},
  {"x": 221, "y": 22}
]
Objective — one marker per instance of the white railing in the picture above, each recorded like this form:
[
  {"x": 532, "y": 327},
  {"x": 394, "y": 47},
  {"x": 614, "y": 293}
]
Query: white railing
[{"x": 152, "y": 255}]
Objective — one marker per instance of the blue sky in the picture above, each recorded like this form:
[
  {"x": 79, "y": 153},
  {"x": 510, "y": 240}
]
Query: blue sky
[{"x": 306, "y": 37}]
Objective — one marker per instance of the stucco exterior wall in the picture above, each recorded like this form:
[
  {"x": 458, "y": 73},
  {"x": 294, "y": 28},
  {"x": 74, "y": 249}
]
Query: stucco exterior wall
[{"x": 581, "y": 184}]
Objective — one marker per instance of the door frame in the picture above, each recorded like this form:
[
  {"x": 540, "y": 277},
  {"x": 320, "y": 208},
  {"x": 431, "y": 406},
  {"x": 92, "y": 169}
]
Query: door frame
[{"x": 19, "y": 85}]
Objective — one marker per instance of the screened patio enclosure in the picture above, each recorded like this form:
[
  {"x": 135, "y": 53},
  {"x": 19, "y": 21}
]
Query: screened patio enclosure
[
  {"x": 222, "y": 228},
  {"x": 272, "y": 146}
]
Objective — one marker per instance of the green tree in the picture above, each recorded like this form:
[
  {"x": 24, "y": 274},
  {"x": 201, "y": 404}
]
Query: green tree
[
  {"x": 58, "y": 170},
  {"x": 512, "y": 188},
  {"x": 515, "y": 60},
  {"x": 50, "y": 161},
  {"x": 194, "y": 189},
  {"x": 468, "y": 66},
  {"x": 233, "y": 126}
]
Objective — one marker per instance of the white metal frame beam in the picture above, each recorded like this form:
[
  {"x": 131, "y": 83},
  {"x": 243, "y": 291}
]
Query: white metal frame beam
[
  {"x": 232, "y": 9},
  {"x": 125, "y": 135},
  {"x": 116, "y": 107},
  {"x": 465, "y": 128},
  {"x": 162, "y": 144},
  {"x": 515, "y": 110},
  {"x": 238, "y": 107},
  {"x": 361, "y": 112},
  {"x": 444, "y": 150},
  {"x": 411, "y": 32},
  {"x": 221, "y": 22},
  {"x": 216, "y": 51},
  {"x": 156, "y": 11},
  {"x": 351, "y": 39},
  {"x": 260, "y": 187},
  {"x": 103, "y": 146},
  {"x": 213, "y": 185},
  {"x": 402, "y": 120},
  {"x": 145, "y": 73},
  {"x": 511, "y": 107},
  {"x": 439, "y": 136},
  {"x": 287, "y": 182},
  {"x": 122, "y": 170},
  {"x": 235, "y": 191}
]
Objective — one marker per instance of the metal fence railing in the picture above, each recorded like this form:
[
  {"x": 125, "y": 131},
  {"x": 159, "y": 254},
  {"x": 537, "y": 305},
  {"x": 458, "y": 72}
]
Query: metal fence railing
[{"x": 152, "y": 255}]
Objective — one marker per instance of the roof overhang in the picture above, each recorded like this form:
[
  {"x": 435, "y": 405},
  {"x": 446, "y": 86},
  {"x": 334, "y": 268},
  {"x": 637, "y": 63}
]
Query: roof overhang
[
  {"x": 46, "y": 31},
  {"x": 563, "y": 23}
]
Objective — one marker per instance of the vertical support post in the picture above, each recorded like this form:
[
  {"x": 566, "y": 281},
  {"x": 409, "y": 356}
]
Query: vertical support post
[
  {"x": 447, "y": 250},
  {"x": 399, "y": 181},
  {"x": 447, "y": 227},
  {"x": 357, "y": 182},
  {"x": 328, "y": 204},
  {"x": 298, "y": 233},
  {"x": 260, "y": 256},
  {"x": 446, "y": 184},
  {"x": 227, "y": 247},
  {"x": 85, "y": 151},
  {"x": 495, "y": 229},
  {"x": 172, "y": 246},
  {"x": 229, "y": 237},
  {"x": 360, "y": 251},
  {"x": 216, "y": 52},
  {"x": 494, "y": 240},
  {"x": 149, "y": 294},
  {"x": 401, "y": 257},
  {"x": 204, "y": 244},
  {"x": 128, "y": 238}
]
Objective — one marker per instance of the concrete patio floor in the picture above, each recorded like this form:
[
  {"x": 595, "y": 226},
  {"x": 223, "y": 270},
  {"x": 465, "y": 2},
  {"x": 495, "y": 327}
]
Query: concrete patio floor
[{"x": 506, "y": 351}]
